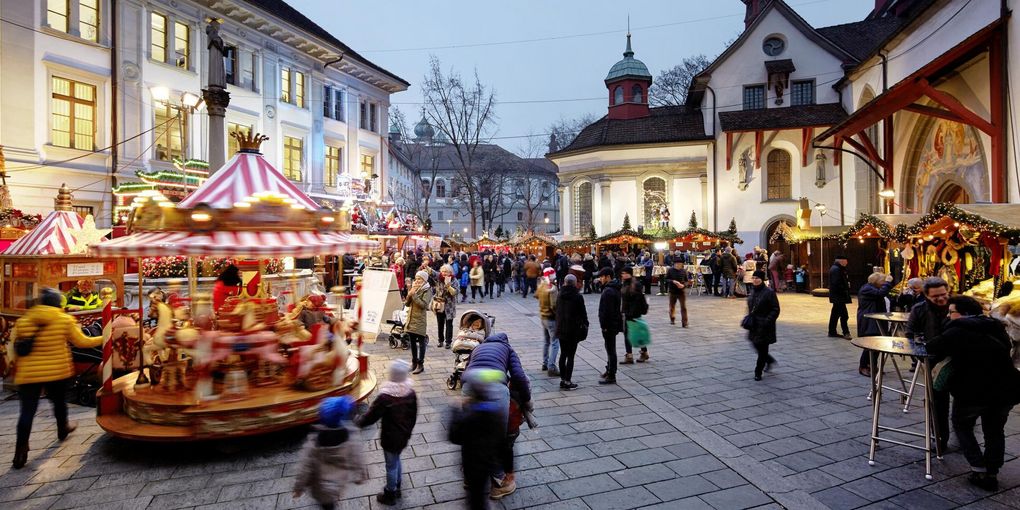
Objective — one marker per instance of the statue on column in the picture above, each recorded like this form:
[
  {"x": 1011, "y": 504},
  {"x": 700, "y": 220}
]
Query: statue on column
[
  {"x": 217, "y": 50},
  {"x": 743, "y": 177},
  {"x": 216, "y": 96}
]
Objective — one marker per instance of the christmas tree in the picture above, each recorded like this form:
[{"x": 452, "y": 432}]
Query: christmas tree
[
  {"x": 733, "y": 227},
  {"x": 591, "y": 231},
  {"x": 500, "y": 233},
  {"x": 626, "y": 221},
  {"x": 694, "y": 221},
  {"x": 427, "y": 224}
]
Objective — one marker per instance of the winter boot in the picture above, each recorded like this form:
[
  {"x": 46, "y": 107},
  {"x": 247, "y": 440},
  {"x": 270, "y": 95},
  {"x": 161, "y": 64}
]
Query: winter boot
[
  {"x": 386, "y": 497},
  {"x": 628, "y": 359},
  {"x": 644, "y": 357}
]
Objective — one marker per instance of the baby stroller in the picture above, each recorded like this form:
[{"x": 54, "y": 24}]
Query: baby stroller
[
  {"x": 87, "y": 380},
  {"x": 474, "y": 328},
  {"x": 397, "y": 338}
]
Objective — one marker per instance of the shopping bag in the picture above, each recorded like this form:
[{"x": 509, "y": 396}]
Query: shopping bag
[{"x": 637, "y": 333}]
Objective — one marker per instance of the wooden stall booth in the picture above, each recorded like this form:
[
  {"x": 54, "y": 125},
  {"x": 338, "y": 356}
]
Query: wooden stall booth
[
  {"x": 624, "y": 240},
  {"x": 539, "y": 245},
  {"x": 880, "y": 240}
]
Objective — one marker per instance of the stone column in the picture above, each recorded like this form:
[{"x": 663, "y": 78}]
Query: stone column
[{"x": 216, "y": 97}]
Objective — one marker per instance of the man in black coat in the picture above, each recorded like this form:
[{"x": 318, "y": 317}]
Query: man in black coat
[
  {"x": 610, "y": 320},
  {"x": 839, "y": 296},
  {"x": 983, "y": 382},
  {"x": 562, "y": 267},
  {"x": 571, "y": 327},
  {"x": 763, "y": 310},
  {"x": 927, "y": 321},
  {"x": 676, "y": 280}
]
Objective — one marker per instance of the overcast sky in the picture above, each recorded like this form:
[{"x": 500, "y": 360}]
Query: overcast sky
[{"x": 571, "y": 44}]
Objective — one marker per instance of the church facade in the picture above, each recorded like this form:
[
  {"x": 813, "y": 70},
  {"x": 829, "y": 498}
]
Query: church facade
[{"x": 893, "y": 113}]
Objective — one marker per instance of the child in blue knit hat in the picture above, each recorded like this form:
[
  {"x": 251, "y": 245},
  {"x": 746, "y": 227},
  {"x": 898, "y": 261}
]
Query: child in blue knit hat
[{"x": 330, "y": 459}]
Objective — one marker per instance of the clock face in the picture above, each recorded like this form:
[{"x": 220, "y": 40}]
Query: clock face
[{"x": 773, "y": 46}]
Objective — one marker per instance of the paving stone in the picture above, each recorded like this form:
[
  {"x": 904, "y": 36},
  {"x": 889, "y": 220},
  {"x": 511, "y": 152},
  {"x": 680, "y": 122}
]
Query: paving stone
[
  {"x": 920, "y": 499},
  {"x": 584, "y": 486},
  {"x": 260, "y": 503},
  {"x": 591, "y": 467},
  {"x": 184, "y": 500},
  {"x": 695, "y": 465},
  {"x": 724, "y": 478},
  {"x": 872, "y": 488},
  {"x": 838, "y": 498},
  {"x": 622, "y": 499},
  {"x": 643, "y": 475},
  {"x": 564, "y": 456},
  {"x": 743, "y": 496},
  {"x": 529, "y": 497},
  {"x": 644, "y": 457},
  {"x": 681, "y": 488}
]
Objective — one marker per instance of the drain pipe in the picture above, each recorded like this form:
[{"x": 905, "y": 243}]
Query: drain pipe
[{"x": 715, "y": 182}]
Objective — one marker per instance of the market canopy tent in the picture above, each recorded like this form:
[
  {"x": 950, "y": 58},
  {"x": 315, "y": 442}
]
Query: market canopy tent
[
  {"x": 51, "y": 237},
  {"x": 698, "y": 239},
  {"x": 890, "y": 227},
  {"x": 300, "y": 244},
  {"x": 243, "y": 176}
]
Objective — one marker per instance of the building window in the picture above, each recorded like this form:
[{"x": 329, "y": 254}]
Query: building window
[
  {"x": 158, "y": 36},
  {"x": 802, "y": 92},
  {"x": 618, "y": 95},
  {"x": 249, "y": 72},
  {"x": 285, "y": 84},
  {"x": 232, "y": 145},
  {"x": 545, "y": 216},
  {"x": 74, "y": 114},
  {"x": 367, "y": 166},
  {"x": 363, "y": 113},
  {"x": 170, "y": 133},
  {"x": 520, "y": 215},
  {"x": 230, "y": 64},
  {"x": 754, "y": 97},
  {"x": 83, "y": 210},
  {"x": 182, "y": 45},
  {"x": 56, "y": 14},
  {"x": 439, "y": 215},
  {"x": 373, "y": 121},
  {"x": 778, "y": 170},
  {"x": 88, "y": 19},
  {"x": 440, "y": 189},
  {"x": 654, "y": 198},
  {"x": 299, "y": 89},
  {"x": 293, "y": 151},
  {"x": 338, "y": 104},
  {"x": 637, "y": 95},
  {"x": 582, "y": 209},
  {"x": 327, "y": 101},
  {"x": 425, "y": 186},
  {"x": 332, "y": 166}
]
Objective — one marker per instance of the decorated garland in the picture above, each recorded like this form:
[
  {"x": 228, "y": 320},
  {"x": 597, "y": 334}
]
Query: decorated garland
[
  {"x": 177, "y": 266},
  {"x": 18, "y": 219},
  {"x": 944, "y": 209}
]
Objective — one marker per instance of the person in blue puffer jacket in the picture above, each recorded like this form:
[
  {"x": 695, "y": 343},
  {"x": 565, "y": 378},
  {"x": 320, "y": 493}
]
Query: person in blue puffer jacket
[{"x": 495, "y": 353}]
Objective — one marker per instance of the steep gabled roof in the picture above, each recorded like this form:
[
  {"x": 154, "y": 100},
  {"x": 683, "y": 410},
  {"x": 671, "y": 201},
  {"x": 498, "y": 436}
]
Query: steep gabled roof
[
  {"x": 862, "y": 38},
  {"x": 815, "y": 115},
  {"x": 291, "y": 15},
  {"x": 664, "y": 124}
]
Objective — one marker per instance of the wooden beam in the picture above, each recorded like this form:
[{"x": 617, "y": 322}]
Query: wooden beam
[
  {"x": 806, "y": 135},
  {"x": 837, "y": 155},
  {"x": 931, "y": 111},
  {"x": 955, "y": 106},
  {"x": 889, "y": 151},
  {"x": 862, "y": 149},
  {"x": 729, "y": 151},
  {"x": 871, "y": 150},
  {"x": 997, "y": 93},
  {"x": 759, "y": 137}
]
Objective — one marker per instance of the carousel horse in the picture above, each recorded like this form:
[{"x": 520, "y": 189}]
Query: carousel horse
[{"x": 320, "y": 365}]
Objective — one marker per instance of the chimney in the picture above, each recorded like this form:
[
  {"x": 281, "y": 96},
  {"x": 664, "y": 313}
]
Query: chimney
[
  {"x": 879, "y": 7},
  {"x": 553, "y": 143},
  {"x": 754, "y": 8}
]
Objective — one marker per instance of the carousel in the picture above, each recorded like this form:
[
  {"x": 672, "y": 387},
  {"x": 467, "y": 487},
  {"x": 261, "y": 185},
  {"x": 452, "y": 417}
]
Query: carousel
[{"x": 253, "y": 363}]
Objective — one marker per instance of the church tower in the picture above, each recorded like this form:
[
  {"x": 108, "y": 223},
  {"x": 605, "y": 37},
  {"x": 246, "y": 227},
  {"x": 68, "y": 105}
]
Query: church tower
[{"x": 628, "y": 82}]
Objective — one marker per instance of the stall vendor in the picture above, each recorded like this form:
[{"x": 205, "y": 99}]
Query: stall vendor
[
  {"x": 227, "y": 284},
  {"x": 82, "y": 297}
]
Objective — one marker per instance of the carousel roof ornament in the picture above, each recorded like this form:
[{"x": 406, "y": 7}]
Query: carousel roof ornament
[{"x": 55, "y": 235}]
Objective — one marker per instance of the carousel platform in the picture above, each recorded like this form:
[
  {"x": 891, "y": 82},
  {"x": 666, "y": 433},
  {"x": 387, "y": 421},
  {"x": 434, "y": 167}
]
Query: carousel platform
[{"x": 153, "y": 414}]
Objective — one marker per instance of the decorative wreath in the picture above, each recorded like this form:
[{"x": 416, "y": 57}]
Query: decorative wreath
[{"x": 950, "y": 256}]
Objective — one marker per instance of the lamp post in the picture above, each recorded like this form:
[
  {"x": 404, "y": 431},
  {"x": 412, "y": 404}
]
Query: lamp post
[
  {"x": 449, "y": 223},
  {"x": 186, "y": 103},
  {"x": 821, "y": 246}
]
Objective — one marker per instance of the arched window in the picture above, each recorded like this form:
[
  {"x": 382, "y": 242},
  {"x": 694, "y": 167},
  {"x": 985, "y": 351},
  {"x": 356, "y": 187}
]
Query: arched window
[
  {"x": 582, "y": 209},
  {"x": 637, "y": 94},
  {"x": 440, "y": 189},
  {"x": 654, "y": 198},
  {"x": 778, "y": 174},
  {"x": 425, "y": 185},
  {"x": 618, "y": 95}
]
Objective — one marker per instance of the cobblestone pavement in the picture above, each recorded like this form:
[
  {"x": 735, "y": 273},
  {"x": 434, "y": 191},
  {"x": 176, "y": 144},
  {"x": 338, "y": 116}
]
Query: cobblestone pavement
[{"x": 689, "y": 429}]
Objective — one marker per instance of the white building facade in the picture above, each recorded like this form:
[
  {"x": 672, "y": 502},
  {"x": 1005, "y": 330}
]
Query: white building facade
[{"x": 67, "y": 96}]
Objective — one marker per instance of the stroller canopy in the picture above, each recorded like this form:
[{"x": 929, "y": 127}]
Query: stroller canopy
[{"x": 470, "y": 316}]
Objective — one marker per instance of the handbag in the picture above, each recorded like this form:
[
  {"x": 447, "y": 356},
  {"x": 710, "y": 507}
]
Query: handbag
[
  {"x": 438, "y": 305},
  {"x": 941, "y": 374},
  {"x": 23, "y": 345},
  {"x": 747, "y": 322},
  {"x": 638, "y": 333}
]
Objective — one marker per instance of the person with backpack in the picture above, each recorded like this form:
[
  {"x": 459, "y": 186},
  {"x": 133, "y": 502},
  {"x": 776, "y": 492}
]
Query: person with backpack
[
  {"x": 635, "y": 305},
  {"x": 397, "y": 408},
  {"x": 330, "y": 458}
]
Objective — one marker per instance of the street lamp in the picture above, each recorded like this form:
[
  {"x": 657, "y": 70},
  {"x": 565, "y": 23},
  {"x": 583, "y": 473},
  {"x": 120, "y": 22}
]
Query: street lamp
[
  {"x": 449, "y": 223},
  {"x": 887, "y": 193},
  {"x": 821, "y": 246},
  {"x": 186, "y": 103}
]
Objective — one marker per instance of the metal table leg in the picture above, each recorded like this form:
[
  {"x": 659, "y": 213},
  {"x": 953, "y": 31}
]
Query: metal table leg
[
  {"x": 929, "y": 423},
  {"x": 876, "y": 406}
]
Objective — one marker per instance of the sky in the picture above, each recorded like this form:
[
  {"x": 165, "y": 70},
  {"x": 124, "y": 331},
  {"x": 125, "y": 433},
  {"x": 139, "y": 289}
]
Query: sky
[{"x": 545, "y": 59}]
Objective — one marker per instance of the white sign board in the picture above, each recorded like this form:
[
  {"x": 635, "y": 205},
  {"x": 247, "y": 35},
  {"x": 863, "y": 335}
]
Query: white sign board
[
  {"x": 85, "y": 269},
  {"x": 379, "y": 299}
]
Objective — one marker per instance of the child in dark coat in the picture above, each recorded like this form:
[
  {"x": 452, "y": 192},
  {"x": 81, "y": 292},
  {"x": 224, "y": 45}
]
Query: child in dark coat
[
  {"x": 330, "y": 458},
  {"x": 479, "y": 427},
  {"x": 397, "y": 407}
]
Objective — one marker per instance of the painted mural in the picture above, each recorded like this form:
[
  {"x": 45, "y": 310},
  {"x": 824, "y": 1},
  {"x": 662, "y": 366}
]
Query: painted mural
[{"x": 950, "y": 154}]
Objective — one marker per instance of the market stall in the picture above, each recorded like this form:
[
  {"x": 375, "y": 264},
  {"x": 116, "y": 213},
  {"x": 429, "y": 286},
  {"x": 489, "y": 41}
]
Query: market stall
[
  {"x": 533, "y": 243},
  {"x": 55, "y": 254},
  {"x": 881, "y": 239},
  {"x": 624, "y": 240},
  {"x": 248, "y": 365},
  {"x": 486, "y": 243},
  {"x": 967, "y": 245}
]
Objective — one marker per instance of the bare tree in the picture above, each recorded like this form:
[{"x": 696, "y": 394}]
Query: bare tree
[
  {"x": 533, "y": 185},
  {"x": 671, "y": 86},
  {"x": 464, "y": 112},
  {"x": 564, "y": 131}
]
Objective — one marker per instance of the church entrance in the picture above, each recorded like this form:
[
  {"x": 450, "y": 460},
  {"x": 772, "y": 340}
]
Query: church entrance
[{"x": 952, "y": 193}]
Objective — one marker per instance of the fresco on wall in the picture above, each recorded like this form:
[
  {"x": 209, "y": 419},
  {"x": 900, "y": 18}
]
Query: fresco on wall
[{"x": 950, "y": 153}]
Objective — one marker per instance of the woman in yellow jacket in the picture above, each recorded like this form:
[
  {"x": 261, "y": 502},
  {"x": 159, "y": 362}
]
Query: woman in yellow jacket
[{"x": 48, "y": 365}]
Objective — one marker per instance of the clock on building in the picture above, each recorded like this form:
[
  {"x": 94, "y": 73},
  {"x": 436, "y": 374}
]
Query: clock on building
[{"x": 773, "y": 46}]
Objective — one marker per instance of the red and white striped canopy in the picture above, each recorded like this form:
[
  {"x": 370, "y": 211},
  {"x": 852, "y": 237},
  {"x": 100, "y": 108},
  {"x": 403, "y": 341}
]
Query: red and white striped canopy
[
  {"x": 50, "y": 237},
  {"x": 300, "y": 244},
  {"x": 241, "y": 177}
]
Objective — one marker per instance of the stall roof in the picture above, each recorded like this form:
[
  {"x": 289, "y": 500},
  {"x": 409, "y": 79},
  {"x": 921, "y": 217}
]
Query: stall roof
[
  {"x": 53, "y": 236},
  {"x": 1007, "y": 215},
  {"x": 899, "y": 219},
  {"x": 243, "y": 176}
]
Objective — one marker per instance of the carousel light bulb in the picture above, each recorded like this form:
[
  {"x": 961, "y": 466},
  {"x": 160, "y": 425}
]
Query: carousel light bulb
[
  {"x": 250, "y": 200},
  {"x": 861, "y": 240},
  {"x": 328, "y": 219},
  {"x": 956, "y": 224},
  {"x": 200, "y": 216},
  {"x": 943, "y": 231},
  {"x": 242, "y": 205},
  {"x": 297, "y": 207},
  {"x": 167, "y": 205}
]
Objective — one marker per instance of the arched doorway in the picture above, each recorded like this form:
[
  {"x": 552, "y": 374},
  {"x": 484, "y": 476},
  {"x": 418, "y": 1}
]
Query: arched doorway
[{"x": 952, "y": 193}]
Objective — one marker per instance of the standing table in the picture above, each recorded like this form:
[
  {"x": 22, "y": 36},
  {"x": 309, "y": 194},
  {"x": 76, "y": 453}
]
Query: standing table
[
  {"x": 895, "y": 324},
  {"x": 887, "y": 346}
]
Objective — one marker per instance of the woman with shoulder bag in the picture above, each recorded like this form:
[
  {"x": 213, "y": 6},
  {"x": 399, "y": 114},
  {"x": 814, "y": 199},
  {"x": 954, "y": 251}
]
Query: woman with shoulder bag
[
  {"x": 760, "y": 321},
  {"x": 444, "y": 304},
  {"x": 43, "y": 360}
]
